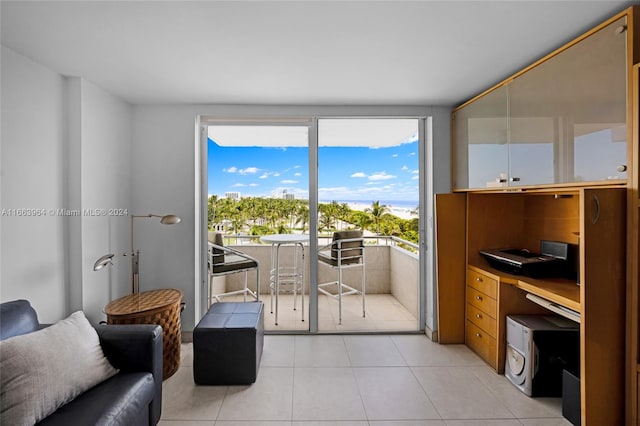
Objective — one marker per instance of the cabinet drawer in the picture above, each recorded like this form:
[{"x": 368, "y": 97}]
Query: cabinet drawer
[
  {"x": 481, "y": 301},
  {"x": 481, "y": 343},
  {"x": 481, "y": 319},
  {"x": 482, "y": 283}
]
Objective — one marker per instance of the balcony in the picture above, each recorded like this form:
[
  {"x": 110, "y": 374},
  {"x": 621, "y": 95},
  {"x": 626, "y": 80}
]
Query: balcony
[{"x": 392, "y": 280}]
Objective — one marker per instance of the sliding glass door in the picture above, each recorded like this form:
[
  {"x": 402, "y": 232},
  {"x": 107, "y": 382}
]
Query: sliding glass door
[
  {"x": 258, "y": 180},
  {"x": 280, "y": 191},
  {"x": 368, "y": 184}
]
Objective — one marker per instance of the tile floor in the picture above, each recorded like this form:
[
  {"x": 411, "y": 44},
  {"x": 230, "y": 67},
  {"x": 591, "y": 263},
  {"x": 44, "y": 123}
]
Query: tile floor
[
  {"x": 384, "y": 313},
  {"x": 358, "y": 380}
]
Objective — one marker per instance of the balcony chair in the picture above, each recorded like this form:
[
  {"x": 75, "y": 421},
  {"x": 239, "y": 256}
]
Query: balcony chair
[
  {"x": 226, "y": 260},
  {"x": 345, "y": 251}
]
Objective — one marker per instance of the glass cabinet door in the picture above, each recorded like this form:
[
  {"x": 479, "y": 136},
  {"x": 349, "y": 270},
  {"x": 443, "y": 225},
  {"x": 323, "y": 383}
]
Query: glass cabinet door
[
  {"x": 567, "y": 116},
  {"x": 480, "y": 138}
]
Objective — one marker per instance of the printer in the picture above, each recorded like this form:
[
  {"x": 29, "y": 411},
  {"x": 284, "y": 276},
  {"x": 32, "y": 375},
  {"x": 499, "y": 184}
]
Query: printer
[{"x": 554, "y": 260}]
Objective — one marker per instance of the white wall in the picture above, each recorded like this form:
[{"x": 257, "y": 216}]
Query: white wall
[
  {"x": 32, "y": 264},
  {"x": 105, "y": 190},
  {"x": 65, "y": 145}
]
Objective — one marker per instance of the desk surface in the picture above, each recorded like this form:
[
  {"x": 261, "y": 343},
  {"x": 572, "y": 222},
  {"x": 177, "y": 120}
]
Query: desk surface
[{"x": 285, "y": 238}]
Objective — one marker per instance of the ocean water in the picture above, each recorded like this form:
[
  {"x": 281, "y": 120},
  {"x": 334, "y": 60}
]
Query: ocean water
[{"x": 401, "y": 209}]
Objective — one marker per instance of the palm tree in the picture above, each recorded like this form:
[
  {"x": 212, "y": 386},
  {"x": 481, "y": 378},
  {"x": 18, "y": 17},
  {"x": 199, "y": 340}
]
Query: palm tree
[
  {"x": 361, "y": 220},
  {"x": 211, "y": 210},
  {"x": 302, "y": 215},
  {"x": 377, "y": 212}
]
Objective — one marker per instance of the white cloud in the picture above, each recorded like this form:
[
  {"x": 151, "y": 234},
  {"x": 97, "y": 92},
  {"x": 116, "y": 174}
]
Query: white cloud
[
  {"x": 253, "y": 184},
  {"x": 231, "y": 169},
  {"x": 381, "y": 176},
  {"x": 334, "y": 189},
  {"x": 411, "y": 154},
  {"x": 288, "y": 181},
  {"x": 415, "y": 177},
  {"x": 297, "y": 174},
  {"x": 395, "y": 155},
  {"x": 404, "y": 168},
  {"x": 358, "y": 175},
  {"x": 237, "y": 185},
  {"x": 248, "y": 171},
  {"x": 264, "y": 176}
]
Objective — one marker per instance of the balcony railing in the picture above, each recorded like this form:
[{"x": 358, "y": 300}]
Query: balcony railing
[
  {"x": 392, "y": 266},
  {"x": 241, "y": 239}
]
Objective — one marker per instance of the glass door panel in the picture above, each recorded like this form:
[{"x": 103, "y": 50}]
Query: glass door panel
[
  {"x": 258, "y": 180},
  {"x": 368, "y": 181}
]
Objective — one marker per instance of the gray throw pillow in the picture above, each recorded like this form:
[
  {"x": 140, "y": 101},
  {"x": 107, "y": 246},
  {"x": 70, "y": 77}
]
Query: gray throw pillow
[{"x": 43, "y": 370}]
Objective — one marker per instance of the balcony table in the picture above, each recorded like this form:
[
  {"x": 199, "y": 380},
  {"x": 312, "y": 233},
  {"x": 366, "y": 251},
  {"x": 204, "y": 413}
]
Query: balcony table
[{"x": 286, "y": 275}]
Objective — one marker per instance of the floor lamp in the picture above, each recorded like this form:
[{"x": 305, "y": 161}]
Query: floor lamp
[{"x": 105, "y": 260}]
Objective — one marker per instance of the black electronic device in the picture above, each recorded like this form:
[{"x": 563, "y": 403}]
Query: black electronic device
[{"x": 554, "y": 259}]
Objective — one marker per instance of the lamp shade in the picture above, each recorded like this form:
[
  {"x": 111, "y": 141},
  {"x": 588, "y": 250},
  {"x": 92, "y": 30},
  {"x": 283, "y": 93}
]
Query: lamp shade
[
  {"x": 170, "y": 219},
  {"x": 103, "y": 261}
]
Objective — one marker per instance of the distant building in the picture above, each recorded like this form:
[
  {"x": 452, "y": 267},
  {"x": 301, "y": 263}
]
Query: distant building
[
  {"x": 284, "y": 194},
  {"x": 233, "y": 195}
]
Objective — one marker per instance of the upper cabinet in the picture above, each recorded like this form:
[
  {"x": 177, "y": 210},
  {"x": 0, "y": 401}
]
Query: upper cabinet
[{"x": 562, "y": 120}]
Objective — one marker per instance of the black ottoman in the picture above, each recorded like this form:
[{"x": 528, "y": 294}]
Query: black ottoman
[{"x": 227, "y": 344}]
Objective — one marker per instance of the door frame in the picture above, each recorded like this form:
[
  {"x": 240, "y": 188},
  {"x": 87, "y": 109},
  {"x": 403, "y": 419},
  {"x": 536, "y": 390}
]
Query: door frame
[{"x": 202, "y": 122}]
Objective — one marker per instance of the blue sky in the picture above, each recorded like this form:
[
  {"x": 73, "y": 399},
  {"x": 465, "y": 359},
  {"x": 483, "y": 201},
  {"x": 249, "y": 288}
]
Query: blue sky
[{"x": 344, "y": 173}]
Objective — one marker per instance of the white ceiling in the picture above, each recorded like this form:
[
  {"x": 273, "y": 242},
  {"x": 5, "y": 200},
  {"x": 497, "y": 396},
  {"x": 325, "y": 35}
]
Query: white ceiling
[{"x": 294, "y": 52}]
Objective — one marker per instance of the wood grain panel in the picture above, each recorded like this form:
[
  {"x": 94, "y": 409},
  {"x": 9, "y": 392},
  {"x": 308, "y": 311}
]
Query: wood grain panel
[
  {"x": 482, "y": 320},
  {"x": 482, "y": 344},
  {"x": 450, "y": 232},
  {"x": 602, "y": 296},
  {"x": 482, "y": 283},
  {"x": 493, "y": 221},
  {"x": 482, "y": 301},
  {"x": 552, "y": 218}
]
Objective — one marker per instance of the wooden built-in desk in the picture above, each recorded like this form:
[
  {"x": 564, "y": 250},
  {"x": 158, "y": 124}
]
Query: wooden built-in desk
[{"x": 474, "y": 299}]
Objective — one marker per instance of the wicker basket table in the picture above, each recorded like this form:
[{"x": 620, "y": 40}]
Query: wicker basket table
[{"x": 160, "y": 307}]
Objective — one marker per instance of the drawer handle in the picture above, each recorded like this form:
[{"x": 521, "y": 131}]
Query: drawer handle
[
  {"x": 478, "y": 335},
  {"x": 478, "y": 316},
  {"x": 478, "y": 297},
  {"x": 479, "y": 279}
]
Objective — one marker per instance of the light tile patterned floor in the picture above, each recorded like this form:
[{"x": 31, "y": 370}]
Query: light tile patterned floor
[
  {"x": 358, "y": 380},
  {"x": 383, "y": 313}
]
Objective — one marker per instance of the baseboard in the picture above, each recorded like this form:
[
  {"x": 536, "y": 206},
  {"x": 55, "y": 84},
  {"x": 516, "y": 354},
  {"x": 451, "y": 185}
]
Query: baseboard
[{"x": 432, "y": 335}]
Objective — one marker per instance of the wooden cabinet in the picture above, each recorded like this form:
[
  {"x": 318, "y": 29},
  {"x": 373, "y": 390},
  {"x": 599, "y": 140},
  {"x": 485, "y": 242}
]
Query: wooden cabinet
[
  {"x": 482, "y": 310},
  {"x": 480, "y": 150},
  {"x": 490, "y": 298},
  {"x": 594, "y": 221},
  {"x": 482, "y": 344},
  {"x": 561, "y": 120},
  {"x": 566, "y": 124},
  {"x": 633, "y": 259}
]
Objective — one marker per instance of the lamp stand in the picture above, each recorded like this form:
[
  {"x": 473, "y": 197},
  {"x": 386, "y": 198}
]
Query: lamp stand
[
  {"x": 135, "y": 272},
  {"x": 168, "y": 219}
]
